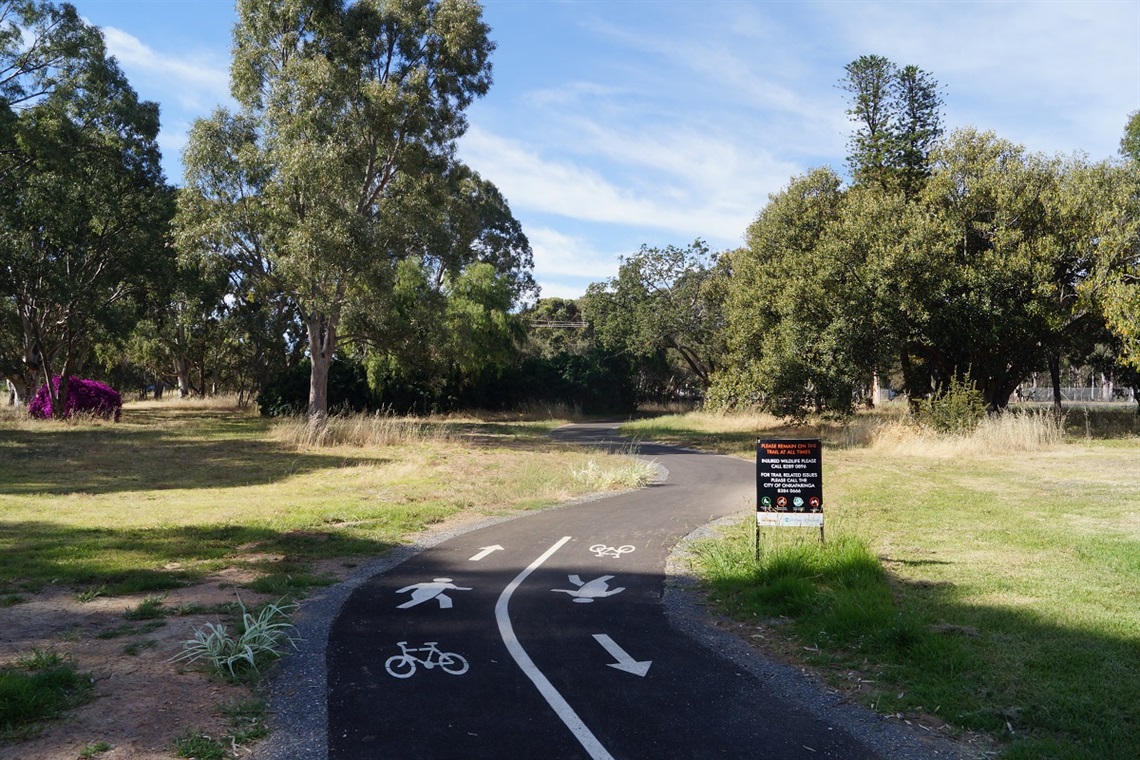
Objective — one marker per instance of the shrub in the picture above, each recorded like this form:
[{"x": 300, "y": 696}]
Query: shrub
[
  {"x": 83, "y": 397},
  {"x": 960, "y": 409}
]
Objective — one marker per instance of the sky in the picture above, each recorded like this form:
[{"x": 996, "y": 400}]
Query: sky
[{"x": 614, "y": 124}]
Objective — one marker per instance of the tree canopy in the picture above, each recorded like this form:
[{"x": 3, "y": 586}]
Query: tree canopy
[{"x": 343, "y": 108}]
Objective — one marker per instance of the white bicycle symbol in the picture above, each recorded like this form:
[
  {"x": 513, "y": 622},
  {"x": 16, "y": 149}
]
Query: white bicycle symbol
[
  {"x": 404, "y": 665},
  {"x": 601, "y": 550}
]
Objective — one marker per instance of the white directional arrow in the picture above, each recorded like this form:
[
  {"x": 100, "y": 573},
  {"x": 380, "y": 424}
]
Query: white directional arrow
[
  {"x": 624, "y": 661},
  {"x": 485, "y": 551}
]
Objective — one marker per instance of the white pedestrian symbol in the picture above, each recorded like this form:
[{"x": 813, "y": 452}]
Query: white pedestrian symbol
[
  {"x": 591, "y": 590},
  {"x": 601, "y": 550},
  {"x": 423, "y": 592}
]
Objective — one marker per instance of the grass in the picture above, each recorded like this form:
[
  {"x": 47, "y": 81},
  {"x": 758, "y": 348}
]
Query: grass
[
  {"x": 94, "y": 749},
  {"x": 247, "y": 721},
  {"x": 36, "y": 688},
  {"x": 988, "y": 579},
  {"x": 176, "y": 492}
]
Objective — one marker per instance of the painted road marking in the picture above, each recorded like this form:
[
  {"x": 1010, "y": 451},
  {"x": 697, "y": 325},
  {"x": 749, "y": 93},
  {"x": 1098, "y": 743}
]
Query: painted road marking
[
  {"x": 561, "y": 708},
  {"x": 601, "y": 550},
  {"x": 591, "y": 590},
  {"x": 423, "y": 592},
  {"x": 403, "y": 665},
  {"x": 624, "y": 661},
  {"x": 486, "y": 550}
]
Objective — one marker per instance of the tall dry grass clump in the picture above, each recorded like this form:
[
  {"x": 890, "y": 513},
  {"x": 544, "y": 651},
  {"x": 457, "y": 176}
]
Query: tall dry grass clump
[
  {"x": 217, "y": 401},
  {"x": 362, "y": 429},
  {"x": 1008, "y": 432}
]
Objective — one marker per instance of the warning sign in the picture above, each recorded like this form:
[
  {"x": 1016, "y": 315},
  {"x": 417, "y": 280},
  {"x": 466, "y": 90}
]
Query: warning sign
[{"x": 789, "y": 483}]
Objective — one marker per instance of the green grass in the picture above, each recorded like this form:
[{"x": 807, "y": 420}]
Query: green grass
[
  {"x": 148, "y": 609},
  {"x": 173, "y": 494},
  {"x": 248, "y": 722},
  {"x": 996, "y": 590},
  {"x": 37, "y": 688},
  {"x": 94, "y": 749}
]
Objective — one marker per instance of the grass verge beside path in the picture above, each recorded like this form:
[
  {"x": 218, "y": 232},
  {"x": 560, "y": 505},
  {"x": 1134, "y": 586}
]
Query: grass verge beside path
[
  {"x": 170, "y": 495},
  {"x": 997, "y": 591}
]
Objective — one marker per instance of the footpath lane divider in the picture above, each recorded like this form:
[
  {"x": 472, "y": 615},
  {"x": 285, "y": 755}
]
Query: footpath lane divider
[{"x": 556, "y": 701}]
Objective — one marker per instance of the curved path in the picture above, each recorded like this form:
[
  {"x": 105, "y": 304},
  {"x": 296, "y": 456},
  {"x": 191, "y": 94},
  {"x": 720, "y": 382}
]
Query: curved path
[{"x": 546, "y": 637}]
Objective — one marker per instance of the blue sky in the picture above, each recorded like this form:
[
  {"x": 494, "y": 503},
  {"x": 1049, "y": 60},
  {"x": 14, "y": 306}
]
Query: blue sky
[{"x": 617, "y": 123}]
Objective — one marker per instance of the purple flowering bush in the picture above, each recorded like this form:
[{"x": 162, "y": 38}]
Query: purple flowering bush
[{"x": 83, "y": 397}]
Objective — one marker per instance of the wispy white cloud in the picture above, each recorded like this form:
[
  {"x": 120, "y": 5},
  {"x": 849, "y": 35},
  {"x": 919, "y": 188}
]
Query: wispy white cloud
[
  {"x": 196, "y": 81},
  {"x": 682, "y": 183},
  {"x": 559, "y": 254}
]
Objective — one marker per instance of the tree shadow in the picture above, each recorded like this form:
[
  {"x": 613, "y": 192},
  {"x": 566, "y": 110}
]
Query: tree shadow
[
  {"x": 106, "y": 459},
  {"x": 127, "y": 560}
]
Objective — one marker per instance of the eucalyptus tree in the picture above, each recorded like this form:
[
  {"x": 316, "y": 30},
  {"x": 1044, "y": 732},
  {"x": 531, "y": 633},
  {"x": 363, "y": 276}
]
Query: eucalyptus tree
[
  {"x": 1130, "y": 142},
  {"x": 338, "y": 102},
  {"x": 84, "y": 208}
]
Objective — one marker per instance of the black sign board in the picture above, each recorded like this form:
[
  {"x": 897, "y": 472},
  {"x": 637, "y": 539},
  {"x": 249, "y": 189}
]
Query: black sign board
[{"x": 789, "y": 483}]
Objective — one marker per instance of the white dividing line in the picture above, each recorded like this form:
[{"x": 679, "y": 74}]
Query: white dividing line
[{"x": 545, "y": 688}]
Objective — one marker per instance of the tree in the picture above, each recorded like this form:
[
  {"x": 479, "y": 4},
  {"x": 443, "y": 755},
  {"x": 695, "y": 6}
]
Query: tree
[
  {"x": 869, "y": 81},
  {"x": 898, "y": 120},
  {"x": 1111, "y": 286},
  {"x": 83, "y": 205},
  {"x": 802, "y": 330},
  {"x": 918, "y": 125},
  {"x": 1130, "y": 142},
  {"x": 662, "y": 300},
  {"x": 338, "y": 103}
]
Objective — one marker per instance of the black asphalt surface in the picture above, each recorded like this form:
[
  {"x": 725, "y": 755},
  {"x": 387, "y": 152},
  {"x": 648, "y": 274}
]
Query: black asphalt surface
[{"x": 560, "y": 698}]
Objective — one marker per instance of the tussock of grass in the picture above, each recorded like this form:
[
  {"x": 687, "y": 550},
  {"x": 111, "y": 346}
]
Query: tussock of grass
[
  {"x": 38, "y": 688},
  {"x": 363, "y": 430},
  {"x": 1011, "y": 432},
  {"x": 614, "y": 473}
]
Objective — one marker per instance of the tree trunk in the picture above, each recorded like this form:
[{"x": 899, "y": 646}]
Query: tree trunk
[
  {"x": 322, "y": 346},
  {"x": 17, "y": 390},
  {"x": 182, "y": 371},
  {"x": 1055, "y": 377}
]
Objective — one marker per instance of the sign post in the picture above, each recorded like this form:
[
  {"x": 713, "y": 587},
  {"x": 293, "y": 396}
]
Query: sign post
[{"x": 789, "y": 485}]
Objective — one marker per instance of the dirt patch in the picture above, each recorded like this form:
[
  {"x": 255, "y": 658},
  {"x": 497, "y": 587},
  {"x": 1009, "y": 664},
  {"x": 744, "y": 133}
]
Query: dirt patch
[{"x": 141, "y": 701}]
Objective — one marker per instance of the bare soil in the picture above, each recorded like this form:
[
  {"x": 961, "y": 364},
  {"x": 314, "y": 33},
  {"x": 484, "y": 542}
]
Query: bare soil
[{"x": 141, "y": 701}]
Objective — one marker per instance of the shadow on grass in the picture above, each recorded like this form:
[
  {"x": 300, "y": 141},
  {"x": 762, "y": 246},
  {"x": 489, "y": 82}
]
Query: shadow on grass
[
  {"x": 1045, "y": 690},
  {"x": 106, "y": 459},
  {"x": 119, "y": 561}
]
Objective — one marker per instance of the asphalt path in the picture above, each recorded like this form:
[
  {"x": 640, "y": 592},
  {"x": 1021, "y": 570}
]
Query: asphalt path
[
  {"x": 547, "y": 636},
  {"x": 503, "y": 642}
]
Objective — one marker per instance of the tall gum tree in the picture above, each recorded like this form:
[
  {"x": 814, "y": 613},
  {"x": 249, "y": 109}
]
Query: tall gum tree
[{"x": 338, "y": 101}]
